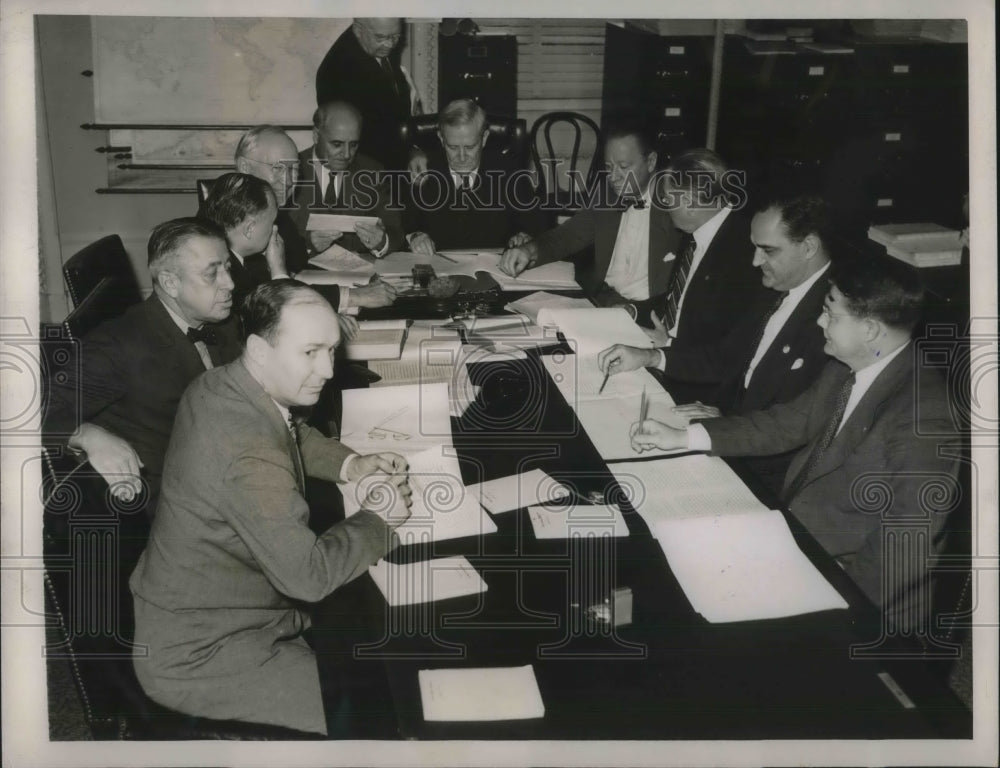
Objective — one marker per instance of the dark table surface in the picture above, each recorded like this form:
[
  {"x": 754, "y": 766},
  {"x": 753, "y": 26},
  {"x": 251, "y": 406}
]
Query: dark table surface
[{"x": 668, "y": 675}]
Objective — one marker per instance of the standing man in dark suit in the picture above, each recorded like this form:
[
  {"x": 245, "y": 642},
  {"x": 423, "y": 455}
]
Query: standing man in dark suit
[
  {"x": 269, "y": 154},
  {"x": 779, "y": 353},
  {"x": 634, "y": 241},
  {"x": 471, "y": 196},
  {"x": 219, "y": 590},
  {"x": 245, "y": 208},
  {"x": 362, "y": 68},
  {"x": 869, "y": 438},
  {"x": 135, "y": 368},
  {"x": 335, "y": 178}
]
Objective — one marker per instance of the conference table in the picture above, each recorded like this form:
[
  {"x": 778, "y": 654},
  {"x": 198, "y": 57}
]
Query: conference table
[{"x": 667, "y": 675}]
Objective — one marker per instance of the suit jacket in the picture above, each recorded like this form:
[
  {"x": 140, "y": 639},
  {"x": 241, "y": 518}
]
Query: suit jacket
[
  {"x": 875, "y": 474},
  {"x": 365, "y": 192},
  {"x": 230, "y": 553},
  {"x": 133, "y": 371},
  {"x": 597, "y": 226},
  {"x": 723, "y": 288},
  {"x": 502, "y": 204},
  {"x": 349, "y": 74},
  {"x": 253, "y": 271}
]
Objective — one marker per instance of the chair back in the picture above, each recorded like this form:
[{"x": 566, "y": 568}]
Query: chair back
[
  {"x": 510, "y": 135},
  {"x": 105, "y": 258},
  {"x": 545, "y": 155},
  {"x": 101, "y": 304}
]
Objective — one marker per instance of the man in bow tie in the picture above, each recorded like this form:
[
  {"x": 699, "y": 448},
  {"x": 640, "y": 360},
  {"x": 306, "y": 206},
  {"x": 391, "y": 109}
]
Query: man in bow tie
[
  {"x": 631, "y": 239},
  {"x": 135, "y": 368},
  {"x": 471, "y": 196},
  {"x": 231, "y": 560}
]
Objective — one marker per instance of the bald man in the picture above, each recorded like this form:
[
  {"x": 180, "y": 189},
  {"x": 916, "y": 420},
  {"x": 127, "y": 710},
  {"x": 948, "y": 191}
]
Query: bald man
[
  {"x": 363, "y": 68},
  {"x": 335, "y": 178}
]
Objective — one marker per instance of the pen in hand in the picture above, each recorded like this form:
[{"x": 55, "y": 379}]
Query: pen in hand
[{"x": 607, "y": 374}]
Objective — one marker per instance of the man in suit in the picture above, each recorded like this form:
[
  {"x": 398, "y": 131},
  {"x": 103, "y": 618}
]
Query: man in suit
[
  {"x": 134, "y": 368},
  {"x": 633, "y": 240},
  {"x": 714, "y": 280},
  {"x": 869, "y": 438},
  {"x": 231, "y": 557},
  {"x": 779, "y": 353},
  {"x": 471, "y": 196},
  {"x": 268, "y": 153},
  {"x": 363, "y": 68},
  {"x": 245, "y": 208},
  {"x": 335, "y": 178}
]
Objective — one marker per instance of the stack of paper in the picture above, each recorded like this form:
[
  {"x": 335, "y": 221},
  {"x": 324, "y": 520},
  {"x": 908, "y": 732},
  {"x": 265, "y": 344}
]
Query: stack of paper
[
  {"x": 889, "y": 234},
  {"x": 410, "y": 419},
  {"x": 377, "y": 340},
  {"x": 735, "y": 559},
  {"x": 506, "y": 494},
  {"x": 530, "y": 305},
  {"x": 335, "y": 222},
  {"x": 426, "y": 581},
  {"x": 922, "y": 245},
  {"x": 443, "y": 508},
  {"x": 559, "y": 275},
  {"x": 430, "y": 355},
  {"x": 339, "y": 259},
  {"x": 497, "y": 693},
  {"x": 333, "y": 277}
]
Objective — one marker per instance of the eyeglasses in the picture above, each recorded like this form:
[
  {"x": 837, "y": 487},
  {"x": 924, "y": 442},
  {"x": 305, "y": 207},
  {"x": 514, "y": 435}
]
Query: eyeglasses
[
  {"x": 282, "y": 166},
  {"x": 394, "y": 38}
]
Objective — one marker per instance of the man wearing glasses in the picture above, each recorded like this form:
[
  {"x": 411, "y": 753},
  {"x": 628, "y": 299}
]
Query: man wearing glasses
[{"x": 362, "y": 67}]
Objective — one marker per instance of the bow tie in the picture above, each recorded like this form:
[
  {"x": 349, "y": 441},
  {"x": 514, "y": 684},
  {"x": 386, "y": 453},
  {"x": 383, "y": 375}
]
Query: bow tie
[{"x": 204, "y": 334}]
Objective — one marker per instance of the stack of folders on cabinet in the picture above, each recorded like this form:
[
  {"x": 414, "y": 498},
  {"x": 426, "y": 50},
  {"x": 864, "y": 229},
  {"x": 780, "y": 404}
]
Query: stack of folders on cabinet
[{"x": 922, "y": 245}]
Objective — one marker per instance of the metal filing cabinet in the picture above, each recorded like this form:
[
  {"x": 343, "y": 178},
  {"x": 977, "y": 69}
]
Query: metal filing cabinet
[{"x": 483, "y": 68}]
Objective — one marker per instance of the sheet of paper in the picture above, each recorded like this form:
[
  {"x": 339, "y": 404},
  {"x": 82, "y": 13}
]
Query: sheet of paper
[
  {"x": 607, "y": 420},
  {"x": 382, "y": 325},
  {"x": 578, "y": 379},
  {"x": 327, "y": 277},
  {"x": 427, "y": 581},
  {"x": 403, "y": 262},
  {"x": 396, "y": 372},
  {"x": 494, "y": 693},
  {"x": 579, "y": 520},
  {"x": 515, "y": 491},
  {"x": 596, "y": 328},
  {"x": 406, "y": 419},
  {"x": 685, "y": 486},
  {"x": 375, "y": 344},
  {"x": 443, "y": 508},
  {"x": 335, "y": 222},
  {"x": 339, "y": 259},
  {"x": 743, "y": 567},
  {"x": 559, "y": 275},
  {"x": 530, "y": 305}
]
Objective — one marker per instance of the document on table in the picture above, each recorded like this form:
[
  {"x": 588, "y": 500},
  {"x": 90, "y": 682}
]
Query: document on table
[
  {"x": 578, "y": 379},
  {"x": 339, "y": 259},
  {"x": 337, "y": 277},
  {"x": 335, "y": 222},
  {"x": 430, "y": 355},
  {"x": 577, "y": 521},
  {"x": 530, "y": 305},
  {"x": 743, "y": 566},
  {"x": 595, "y": 329},
  {"x": 559, "y": 275},
  {"x": 376, "y": 340},
  {"x": 426, "y": 581},
  {"x": 443, "y": 508},
  {"x": 685, "y": 486},
  {"x": 493, "y": 693},
  {"x": 515, "y": 491},
  {"x": 607, "y": 421},
  {"x": 406, "y": 419}
]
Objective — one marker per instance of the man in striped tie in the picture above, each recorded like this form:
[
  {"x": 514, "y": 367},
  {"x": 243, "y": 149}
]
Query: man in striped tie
[
  {"x": 876, "y": 470},
  {"x": 219, "y": 591}
]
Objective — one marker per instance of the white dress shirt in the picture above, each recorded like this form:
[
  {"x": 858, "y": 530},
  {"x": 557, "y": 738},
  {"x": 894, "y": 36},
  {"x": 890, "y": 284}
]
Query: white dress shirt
[
  {"x": 781, "y": 315},
  {"x": 628, "y": 272},
  {"x": 200, "y": 346},
  {"x": 703, "y": 237}
]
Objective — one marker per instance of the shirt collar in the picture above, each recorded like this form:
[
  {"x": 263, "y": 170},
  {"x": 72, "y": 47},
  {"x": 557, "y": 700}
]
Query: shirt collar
[
  {"x": 178, "y": 320},
  {"x": 239, "y": 258},
  {"x": 286, "y": 415},
  {"x": 473, "y": 173},
  {"x": 704, "y": 234},
  {"x": 795, "y": 294},
  {"x": 869, "y": 373}
]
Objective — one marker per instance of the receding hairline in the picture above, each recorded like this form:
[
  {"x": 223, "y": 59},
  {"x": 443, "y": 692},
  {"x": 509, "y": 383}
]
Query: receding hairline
[
  {"x": 327, "y": 113},
  {"x": 304, "y": 297}
]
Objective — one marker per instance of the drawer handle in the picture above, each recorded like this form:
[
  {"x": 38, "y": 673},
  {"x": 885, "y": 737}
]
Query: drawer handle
[{"x": 477, "y": 75}]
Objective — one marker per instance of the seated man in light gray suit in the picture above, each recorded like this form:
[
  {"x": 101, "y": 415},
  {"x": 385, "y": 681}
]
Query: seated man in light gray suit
[
  {"x": 230, "y": 552},
  {"x": 876, "y": 470}
]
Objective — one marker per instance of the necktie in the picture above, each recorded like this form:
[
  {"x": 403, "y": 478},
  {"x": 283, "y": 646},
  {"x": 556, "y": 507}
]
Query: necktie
[
  {"x": 387, "y": 69},
  {"x": 825, "y": 439},
  {"x": 677, "y": 284},
  {"x": 758, "y": 337},
  {"x": 293, "y": 429},
  {"x": 332, "y": 198},
  {"x": 205, "y": 334},
  {"x": 465, "y": 180}
]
